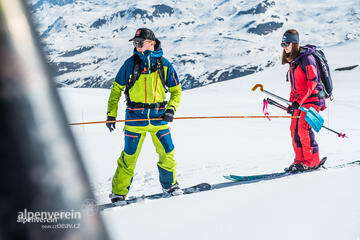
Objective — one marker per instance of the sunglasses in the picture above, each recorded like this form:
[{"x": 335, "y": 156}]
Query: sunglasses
[
  {"x": 285, "y": 44},
  {"x": 140, "y": 44}
]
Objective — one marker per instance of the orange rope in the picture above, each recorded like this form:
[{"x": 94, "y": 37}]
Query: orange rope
[{"x": 182, "y": 118}]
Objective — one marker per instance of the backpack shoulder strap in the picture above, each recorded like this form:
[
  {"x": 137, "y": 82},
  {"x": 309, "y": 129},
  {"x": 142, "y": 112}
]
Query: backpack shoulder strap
[
  {"x": 134, "y": 76},
  {"x": 160, "y": 68},
  {"x": 300, "y": 63},
  {"x": 136, "y": 71}
]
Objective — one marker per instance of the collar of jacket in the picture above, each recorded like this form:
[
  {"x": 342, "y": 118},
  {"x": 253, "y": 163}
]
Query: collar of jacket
[{"x": 153, "y": 54}]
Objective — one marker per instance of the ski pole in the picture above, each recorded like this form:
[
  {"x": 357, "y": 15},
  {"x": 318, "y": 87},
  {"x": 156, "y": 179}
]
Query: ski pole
[
  {"x": 343, "y": 135},
  {"x": 269, "y": 93},
  {"x": 181, "y": 118},
  {"x": 276, "y": 104},
  {"x": 312, "y": 116}
]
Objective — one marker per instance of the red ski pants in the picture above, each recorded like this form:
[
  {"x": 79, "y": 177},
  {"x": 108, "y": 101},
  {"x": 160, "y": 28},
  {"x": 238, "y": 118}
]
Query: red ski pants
[{"x": 303, "y": 139}]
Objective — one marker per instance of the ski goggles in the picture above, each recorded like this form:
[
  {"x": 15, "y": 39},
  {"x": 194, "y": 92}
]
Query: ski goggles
[
  {"x": 285, "y": 44},
  {"x": 140, "y": 44}
]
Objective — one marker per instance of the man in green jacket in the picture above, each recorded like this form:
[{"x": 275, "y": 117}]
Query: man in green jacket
[{"x": 145, "y": 77}]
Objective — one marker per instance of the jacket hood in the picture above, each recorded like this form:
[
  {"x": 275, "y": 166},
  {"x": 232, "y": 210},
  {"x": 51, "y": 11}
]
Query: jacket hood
[{"x": 304, "y": 51}]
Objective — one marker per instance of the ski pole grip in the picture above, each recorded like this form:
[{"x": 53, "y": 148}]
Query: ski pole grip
[
  {"x": 269, "y": 93},
  {"x": 258, "y": 86}
]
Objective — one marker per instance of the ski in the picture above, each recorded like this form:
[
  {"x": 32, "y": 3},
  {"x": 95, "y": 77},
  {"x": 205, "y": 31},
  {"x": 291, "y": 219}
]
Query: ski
[
  {"x": 257, "y": 177},
  {"x": 269, "y": 176},
  {"x": 189, "y": 190},
  {"x": 346, "y": 164},
  {"x": 235, "y": 180}
]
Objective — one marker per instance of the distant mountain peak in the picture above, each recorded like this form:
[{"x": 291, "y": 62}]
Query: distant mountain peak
[
  {"x": 41, "y": 3},
  {"x": 87, "y": 41}
]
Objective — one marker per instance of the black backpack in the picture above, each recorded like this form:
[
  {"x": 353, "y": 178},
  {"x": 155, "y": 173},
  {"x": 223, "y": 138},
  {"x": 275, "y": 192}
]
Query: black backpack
[
  {"x": 137, "y": 72},
  {"x": 325, "y": 77}
]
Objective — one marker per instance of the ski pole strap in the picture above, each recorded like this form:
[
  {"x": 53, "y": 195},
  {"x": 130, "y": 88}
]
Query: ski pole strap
[{"x": 265, "y": 109}]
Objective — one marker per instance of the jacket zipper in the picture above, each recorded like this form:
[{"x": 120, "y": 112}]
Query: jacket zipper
[
  {"x": 145, "y": 90},
  {"x": 157, "y": 74},
  {"x": 149, "y": 89},
  {"x": 292, "y": 77},
  {"x": 150, "y": 82}
]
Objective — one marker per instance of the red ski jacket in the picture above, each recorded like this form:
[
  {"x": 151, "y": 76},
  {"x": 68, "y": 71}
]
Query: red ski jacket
[{"x": 305, "y": 79}]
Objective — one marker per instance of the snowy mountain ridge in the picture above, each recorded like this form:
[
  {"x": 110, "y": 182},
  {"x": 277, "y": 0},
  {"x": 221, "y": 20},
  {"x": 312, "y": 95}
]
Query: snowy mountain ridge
[{"x": 207, "y": 41}]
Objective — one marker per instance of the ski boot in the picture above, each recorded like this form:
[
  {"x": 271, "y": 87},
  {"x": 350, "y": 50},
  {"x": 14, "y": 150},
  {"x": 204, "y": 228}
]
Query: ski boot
[
  {"x": 299, "y": 167},
  {"x": 296, "y": 168},
  {"x": 321, "y": 164},
  {"x": 173, "y": 191},
  {"x": 118, "y": 199}
]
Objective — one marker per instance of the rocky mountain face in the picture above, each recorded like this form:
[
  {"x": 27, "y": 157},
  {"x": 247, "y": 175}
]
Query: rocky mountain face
[{"x": 86, "y": 41}]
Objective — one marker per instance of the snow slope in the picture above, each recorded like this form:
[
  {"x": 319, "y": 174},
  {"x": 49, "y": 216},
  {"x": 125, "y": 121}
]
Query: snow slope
[{"x": 318, "y": 205}]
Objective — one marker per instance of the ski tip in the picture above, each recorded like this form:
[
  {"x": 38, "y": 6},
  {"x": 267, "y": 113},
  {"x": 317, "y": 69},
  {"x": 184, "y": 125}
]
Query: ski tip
[
  {"x": 229, "y": 178},
  {"x": 357, "y": 162},
  {"x": 323, "y": 160}
]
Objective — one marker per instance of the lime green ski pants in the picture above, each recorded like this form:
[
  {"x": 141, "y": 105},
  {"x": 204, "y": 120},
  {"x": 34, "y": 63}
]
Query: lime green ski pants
[{"x": 134, "y": 138}]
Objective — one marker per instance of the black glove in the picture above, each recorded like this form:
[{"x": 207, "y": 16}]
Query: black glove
[
  {"x": 294, "y": 105},
  {"x": 110, "y": 125},
  {"x": 168, "y": 116}
]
